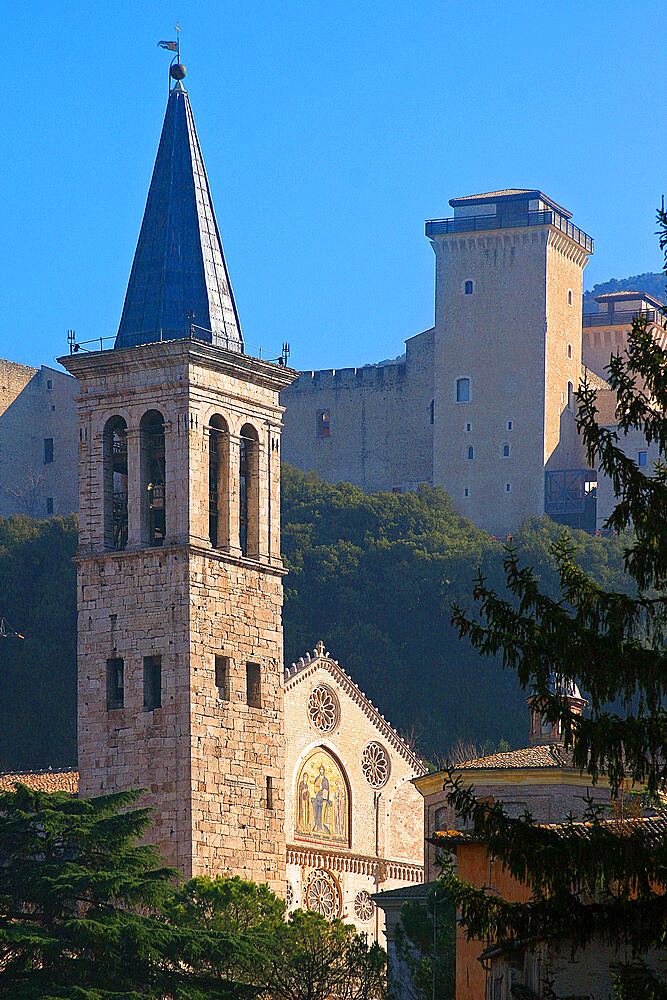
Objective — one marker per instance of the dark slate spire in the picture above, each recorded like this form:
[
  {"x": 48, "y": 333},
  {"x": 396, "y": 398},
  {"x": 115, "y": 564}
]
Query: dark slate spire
[{"x": 179, "y": 276}]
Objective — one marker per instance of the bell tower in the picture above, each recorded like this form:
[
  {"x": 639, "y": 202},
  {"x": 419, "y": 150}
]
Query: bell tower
[{"x": 179, "y": 569}]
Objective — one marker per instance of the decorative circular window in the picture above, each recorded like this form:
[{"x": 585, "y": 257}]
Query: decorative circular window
[
  {"x": 323, "y": 893},
  {"x": 364, "y": 907},
  {"x": 289, "y": 895},
  {"x": 375, "y": 765},
  {"x": 323, "y": 708}
]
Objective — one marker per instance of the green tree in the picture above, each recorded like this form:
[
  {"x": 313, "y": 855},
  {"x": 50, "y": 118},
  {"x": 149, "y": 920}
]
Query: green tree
[
  {"x": 607, "y": 881},
  {"x": 310, "y": 958},
  {"x": 414, "y": 943},
  {"x": 80, "y": 906}
]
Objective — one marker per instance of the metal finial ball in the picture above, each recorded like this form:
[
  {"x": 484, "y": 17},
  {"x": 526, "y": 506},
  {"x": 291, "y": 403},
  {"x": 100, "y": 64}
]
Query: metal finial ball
[{"x": 177, "y": 72}]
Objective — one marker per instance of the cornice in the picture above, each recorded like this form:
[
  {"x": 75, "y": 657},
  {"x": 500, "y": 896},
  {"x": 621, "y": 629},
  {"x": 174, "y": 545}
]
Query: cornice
[{"x": 357, "y": 864}]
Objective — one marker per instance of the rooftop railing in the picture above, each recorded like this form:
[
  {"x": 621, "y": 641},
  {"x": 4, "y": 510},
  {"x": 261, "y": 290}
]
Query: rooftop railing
[
  {"x": 624, "y": 318},
  {"x": 480, "y": 223}
]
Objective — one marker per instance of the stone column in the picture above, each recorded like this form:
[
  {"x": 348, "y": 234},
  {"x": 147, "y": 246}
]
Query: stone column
[
  {"x": 134, "y": 512},
  {"x": 234, "y": 487}
]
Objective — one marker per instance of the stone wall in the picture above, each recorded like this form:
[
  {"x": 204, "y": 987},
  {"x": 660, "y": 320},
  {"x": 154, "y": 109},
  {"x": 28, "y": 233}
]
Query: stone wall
[
  {"x": 380, "y": 435},
  {"x": 37, "y": 405}
]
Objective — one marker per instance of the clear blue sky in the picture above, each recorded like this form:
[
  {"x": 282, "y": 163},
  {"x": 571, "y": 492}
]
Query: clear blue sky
[{"x": 330, "y": 132}]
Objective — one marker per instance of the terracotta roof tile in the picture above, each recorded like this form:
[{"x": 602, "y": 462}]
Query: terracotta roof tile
[
  {"x": 539, "y": 756},
  {"x": 44, "y": 781}
]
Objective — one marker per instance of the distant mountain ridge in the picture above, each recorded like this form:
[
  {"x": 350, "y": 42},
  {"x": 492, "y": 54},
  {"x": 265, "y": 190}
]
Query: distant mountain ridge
[{"x": 652, "y": 283}]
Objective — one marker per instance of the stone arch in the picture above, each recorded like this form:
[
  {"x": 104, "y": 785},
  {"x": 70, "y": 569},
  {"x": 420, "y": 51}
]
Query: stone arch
[
  {"x": 218, "y": 481},
  {"x": 114, "y": 463},
  {"x": 249, "y": 491},
  {"x": 153, "y": 478},
  {"x": 322, "y": 799}
]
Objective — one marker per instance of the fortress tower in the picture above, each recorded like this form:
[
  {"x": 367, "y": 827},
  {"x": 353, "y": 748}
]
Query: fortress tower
[
  {"x": 507, "y": 352},
  {"x": 179, "y": 569}
]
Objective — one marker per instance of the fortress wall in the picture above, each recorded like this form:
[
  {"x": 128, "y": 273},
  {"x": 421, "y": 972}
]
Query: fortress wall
[
  {"x": 381, "y": 436},
  {"x": 36, "y": 405}
]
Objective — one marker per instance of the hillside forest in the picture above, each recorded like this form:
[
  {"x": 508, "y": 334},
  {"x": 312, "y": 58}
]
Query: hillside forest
[{"x": 374, "y": 577}]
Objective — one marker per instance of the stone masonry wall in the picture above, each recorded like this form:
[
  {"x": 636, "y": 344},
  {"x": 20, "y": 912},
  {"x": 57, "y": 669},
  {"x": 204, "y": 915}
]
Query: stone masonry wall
[
  {"x": 380, "y": 431},
  {"x": 36, "y": 405}
]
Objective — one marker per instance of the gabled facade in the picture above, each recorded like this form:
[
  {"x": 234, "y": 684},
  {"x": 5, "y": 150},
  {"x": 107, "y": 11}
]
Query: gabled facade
[{"x": 353, "y": 819}]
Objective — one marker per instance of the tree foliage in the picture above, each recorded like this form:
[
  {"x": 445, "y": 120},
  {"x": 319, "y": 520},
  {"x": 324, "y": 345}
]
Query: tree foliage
[
  {"x": 80, "y": 901},
  {"x": 606, "y": 880},
  {"x": 89, "y": 912},
  {"x": 414, "y": 945}
]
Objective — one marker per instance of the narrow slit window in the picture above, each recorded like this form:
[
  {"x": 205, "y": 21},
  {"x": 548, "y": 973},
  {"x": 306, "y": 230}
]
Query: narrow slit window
[
  {"x": 253, "y": 685},
  {"x": 115, "y": 683},
  {"x": 222, "y": 677},
  {"x": 471, "y": 452},
  {"x": 506, "y": 451},
  {"x": 323, "y": 424},
  {"x": 432, "y": 411},
  {"x": 463, "y": 390},
  {"x": 48, "y": 450},
  {"x": 152, "y": 683},
  {"x": 49, "y": 505},
  {"x": 269, "y": 792},
  {"x": 468, "y": 287},
  {"x": 570, "y": 395},
  {"x": 641, "y": 458}
]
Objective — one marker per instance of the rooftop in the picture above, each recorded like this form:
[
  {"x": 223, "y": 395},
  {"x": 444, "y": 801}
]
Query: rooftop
[
  {"x": 179, "y": 285},
  {"x": 509, "y": 194},
  {"x": 543, "y": 755},
  {"x": 46, "y": 780}
]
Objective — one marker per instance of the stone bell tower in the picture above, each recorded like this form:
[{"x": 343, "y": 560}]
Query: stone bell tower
[{"x": 179, "y": 569}]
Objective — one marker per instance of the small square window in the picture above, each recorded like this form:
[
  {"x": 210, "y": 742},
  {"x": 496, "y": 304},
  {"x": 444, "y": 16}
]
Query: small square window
[
  {"x": 49, "y": 383},
  {"x": 471, "y": 452},
  {"x": 115, "y": 683},
  {"x": 49, "y": 505},
  {"x": 152, "y": 683},
  {"x": 463, "y": 390},
  {"x": 222, "y": 677},
  {"x": 466, "y": 491},
  {"x": 468, "y": 287},
  {"x": 323, "y": 424},
  {"x": 48, "y": 450},
  {"x": 509, "y": 425},
  {"x": 253, "y": 685},
  {"x": 468, "y": 427},
  {"x": 396, "y": 489},
  {"x": 641, "y": 458},
  {"x": 53, "y": 408},
  {"x": 506, "y": 451}
]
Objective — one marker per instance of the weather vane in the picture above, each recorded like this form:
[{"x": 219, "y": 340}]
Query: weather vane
[{"x": 176, "y": 67}]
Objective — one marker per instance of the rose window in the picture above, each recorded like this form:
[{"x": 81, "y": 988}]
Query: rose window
[
  {"x": 323, "y": 708},
  {"x": 323, "y": 894},
  {"x": 375, "y": 765},
  {"x": 364, "y": 907},
  {"x": 289, "y": 895}
]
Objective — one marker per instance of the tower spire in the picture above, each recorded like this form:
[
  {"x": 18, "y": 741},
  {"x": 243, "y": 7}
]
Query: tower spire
[{"x": 179, "y": 285}]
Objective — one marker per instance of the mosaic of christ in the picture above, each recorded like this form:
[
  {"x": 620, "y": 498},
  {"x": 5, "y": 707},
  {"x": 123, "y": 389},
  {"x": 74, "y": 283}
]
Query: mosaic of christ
[{"x": 321, "y": 808}]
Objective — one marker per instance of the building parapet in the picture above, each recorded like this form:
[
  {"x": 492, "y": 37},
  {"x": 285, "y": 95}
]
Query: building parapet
[
  {"x": 353, "y": 378},
  {"x": 481, "y": 223},
  {"x": 624, "y": 318}
]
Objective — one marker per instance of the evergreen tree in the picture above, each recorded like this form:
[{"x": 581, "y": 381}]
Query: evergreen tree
[
  {"x": 81, "y": 902},
  {"x": 606, "y": 880}
]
